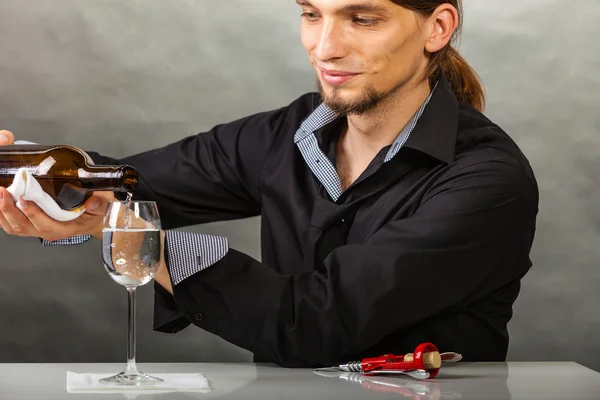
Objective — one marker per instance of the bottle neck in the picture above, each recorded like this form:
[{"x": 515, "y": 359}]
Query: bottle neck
[{"x": 108, "y": 178}]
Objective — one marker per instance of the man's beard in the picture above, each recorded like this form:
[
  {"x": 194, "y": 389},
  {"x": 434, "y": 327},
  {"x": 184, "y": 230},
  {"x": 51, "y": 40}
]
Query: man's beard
[{"x": 368, "y": 100}]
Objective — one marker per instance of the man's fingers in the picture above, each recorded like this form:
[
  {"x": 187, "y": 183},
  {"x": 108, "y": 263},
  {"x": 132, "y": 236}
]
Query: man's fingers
[
  {"x": 6, "y": 138},
  {"x": 17, "y": 221},
  {"x": 97, "y": 204},
  {"x": 95, "y": 207},
  {"x": 3, "y": 223},
  {"x": 44, "y": 224}
]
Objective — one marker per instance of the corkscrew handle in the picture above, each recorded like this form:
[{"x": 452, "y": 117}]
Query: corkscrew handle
[{"x": 425, "y": 357}]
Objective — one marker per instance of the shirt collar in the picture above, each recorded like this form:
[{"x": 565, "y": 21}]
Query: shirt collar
[
  {"x": 432, "y": 130},
  {"x": 435, "y": 133}
]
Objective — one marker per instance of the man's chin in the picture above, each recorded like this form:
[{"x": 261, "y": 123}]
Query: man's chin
[
  {"x": 347, "y": 99},
  {"x": 339, "y": 97},
  {"x": 339, "y": 94}
]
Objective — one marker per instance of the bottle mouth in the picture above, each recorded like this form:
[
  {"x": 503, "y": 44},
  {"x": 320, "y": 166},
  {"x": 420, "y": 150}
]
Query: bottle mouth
[{"x": 129, "y": 178}]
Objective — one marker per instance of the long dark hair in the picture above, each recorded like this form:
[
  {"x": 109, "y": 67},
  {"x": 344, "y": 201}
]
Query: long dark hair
[{"x": 464, "y": 80}]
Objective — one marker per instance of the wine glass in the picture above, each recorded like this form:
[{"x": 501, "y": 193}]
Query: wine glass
[{"x": 131, "y": 253}]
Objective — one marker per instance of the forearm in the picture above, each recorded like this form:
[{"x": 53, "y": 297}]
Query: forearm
[
  {"x": 184, "y": 255},
  {"x": 209, "y": 177}
]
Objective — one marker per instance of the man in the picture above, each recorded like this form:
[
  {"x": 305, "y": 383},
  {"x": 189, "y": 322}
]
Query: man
[{"x": 393, "y": 211}]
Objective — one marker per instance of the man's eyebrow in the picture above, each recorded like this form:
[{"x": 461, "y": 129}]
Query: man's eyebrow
[
  {"x": 303, "y": 3},
  {"x": 365, "y": 7},
  {"x": 358, "y": 7}
]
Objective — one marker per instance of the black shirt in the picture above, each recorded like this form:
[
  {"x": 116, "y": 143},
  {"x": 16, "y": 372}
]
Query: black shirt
[{"x": 428, "y": 245}]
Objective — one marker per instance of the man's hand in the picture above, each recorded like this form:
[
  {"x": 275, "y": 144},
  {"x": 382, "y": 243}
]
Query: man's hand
[
  {"x": 6, "y": 138},
  {"x": 34, "y": 222}
]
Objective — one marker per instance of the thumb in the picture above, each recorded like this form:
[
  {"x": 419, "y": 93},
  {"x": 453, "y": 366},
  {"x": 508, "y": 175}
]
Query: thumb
[
  {"x": 6, "y": 138},
  {"x": 97, "y": 204}
]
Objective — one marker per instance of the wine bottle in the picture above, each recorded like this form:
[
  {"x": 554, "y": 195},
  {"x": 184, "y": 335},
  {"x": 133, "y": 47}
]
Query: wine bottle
[{"x": 66, "y": 173}]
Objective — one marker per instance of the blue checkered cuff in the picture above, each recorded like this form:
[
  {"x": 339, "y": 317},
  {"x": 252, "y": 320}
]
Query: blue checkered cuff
[
  {"x": 79, "y": 239},
  {"x": 189, "y": 253}
]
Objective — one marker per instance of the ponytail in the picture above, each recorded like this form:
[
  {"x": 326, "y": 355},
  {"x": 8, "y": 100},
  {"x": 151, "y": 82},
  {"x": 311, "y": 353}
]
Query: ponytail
[{"x": 463, "y": 79}]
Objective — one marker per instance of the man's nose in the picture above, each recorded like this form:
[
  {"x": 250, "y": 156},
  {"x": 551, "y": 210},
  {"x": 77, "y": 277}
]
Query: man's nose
[{"x": 331, "y": 42}]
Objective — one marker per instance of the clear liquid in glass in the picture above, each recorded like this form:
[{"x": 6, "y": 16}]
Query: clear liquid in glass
[{"x": 131, "y": 256}]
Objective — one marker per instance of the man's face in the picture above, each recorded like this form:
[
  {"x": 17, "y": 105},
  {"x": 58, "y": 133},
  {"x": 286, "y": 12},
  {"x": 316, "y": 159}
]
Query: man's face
[{"x": 362, "y": 50}]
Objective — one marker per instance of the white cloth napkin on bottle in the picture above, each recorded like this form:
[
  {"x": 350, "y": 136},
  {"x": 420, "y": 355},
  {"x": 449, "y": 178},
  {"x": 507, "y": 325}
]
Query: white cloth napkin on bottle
[
  {"x": 89, "y": 383},
  {"x": 24, "y": 184}
]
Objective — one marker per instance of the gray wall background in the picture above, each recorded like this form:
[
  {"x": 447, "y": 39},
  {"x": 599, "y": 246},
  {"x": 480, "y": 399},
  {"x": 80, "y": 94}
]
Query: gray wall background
[{"x": 123, "y": 76}]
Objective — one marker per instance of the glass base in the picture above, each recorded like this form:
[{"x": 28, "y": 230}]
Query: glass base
[{"x": 131, "y": 378}]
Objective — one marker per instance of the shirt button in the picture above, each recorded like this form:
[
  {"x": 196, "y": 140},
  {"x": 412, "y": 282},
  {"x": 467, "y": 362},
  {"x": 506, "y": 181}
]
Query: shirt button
[
  {"x": 340, "y": 222},
  {"x": 198, "y": 316}
]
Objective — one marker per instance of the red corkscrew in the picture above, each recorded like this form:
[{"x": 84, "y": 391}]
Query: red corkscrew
[{"x": 425, "y": 357}]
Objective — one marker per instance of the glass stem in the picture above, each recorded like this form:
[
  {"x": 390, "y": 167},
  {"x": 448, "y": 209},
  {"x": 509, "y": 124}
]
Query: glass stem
[{"x": 131, "y": 367}]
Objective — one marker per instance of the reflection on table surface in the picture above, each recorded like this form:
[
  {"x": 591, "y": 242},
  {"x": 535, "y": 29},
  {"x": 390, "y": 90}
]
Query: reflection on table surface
[
  {"x": 422, "y": 390},
  {"x": 256, "y": 381}
]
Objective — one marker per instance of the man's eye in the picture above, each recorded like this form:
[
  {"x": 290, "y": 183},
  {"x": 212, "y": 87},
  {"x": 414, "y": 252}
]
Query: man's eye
[
  {"x": 310, "y": 16},
  {"x": 364, "y": 21}
]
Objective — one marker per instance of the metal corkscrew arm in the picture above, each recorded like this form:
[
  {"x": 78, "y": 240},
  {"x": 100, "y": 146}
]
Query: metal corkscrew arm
[{"x": 353, "y": 366}]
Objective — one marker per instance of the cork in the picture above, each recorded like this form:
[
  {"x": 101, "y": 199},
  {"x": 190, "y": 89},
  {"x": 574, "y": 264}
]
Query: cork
[{"x": 431, "y": 359}]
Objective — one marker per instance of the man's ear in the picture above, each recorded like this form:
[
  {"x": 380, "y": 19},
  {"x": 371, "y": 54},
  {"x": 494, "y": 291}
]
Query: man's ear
[{"x": 441, "y": 26}]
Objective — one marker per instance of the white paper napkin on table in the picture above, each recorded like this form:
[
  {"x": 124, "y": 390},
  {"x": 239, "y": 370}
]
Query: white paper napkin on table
[
  {"x": 24, "y": 184},
  {"x": 89, "y": 383}
]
